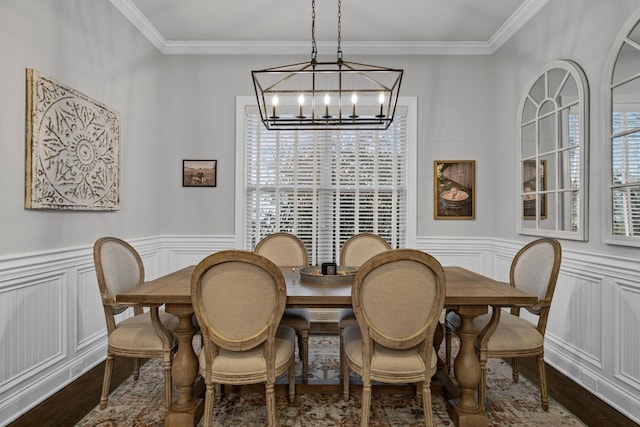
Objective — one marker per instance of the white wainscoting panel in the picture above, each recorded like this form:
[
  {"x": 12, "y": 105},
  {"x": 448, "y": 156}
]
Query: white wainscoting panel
[
  {"x": 576, "y": 317},
  {"x": 628, "y": 333},
  {"x": 467, "y": 253},
  {"x": 52, "y": 322},
  {"x": 183, "y": 251},
  {"x": 33, "y": 320},
  {"x": 89, "y": 327}
]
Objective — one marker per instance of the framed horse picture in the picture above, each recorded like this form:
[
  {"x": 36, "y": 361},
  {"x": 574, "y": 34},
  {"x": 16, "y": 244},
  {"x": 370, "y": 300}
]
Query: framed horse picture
[{"x": 199, "y": 173}]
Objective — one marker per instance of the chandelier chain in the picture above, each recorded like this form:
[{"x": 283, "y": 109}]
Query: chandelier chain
[
  {"x": 339, "y": 30},
  {"x": 314, "y": 47}
]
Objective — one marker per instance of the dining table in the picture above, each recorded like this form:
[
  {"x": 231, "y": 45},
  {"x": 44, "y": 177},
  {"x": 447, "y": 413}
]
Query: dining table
[{"x": 468, "y": 293}]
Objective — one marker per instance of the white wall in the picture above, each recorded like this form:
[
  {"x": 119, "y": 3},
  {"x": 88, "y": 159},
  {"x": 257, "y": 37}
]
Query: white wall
[{"x": 181, "y": 107}]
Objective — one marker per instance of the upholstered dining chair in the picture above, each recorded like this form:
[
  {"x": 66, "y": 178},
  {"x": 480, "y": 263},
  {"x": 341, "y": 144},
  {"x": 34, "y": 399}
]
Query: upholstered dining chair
[
  {"x": 239, "y": 298},
  {"x": 287, "y": 250},
  {"x": 144, "y": 335},
  {"x": 503, "y": 334},
  {"x": 398, "y": 297},
  {"x": 355, "y": 252}
]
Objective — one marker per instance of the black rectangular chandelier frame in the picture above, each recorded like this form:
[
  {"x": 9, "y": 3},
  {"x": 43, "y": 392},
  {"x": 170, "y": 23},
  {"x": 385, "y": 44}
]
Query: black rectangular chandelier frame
[{"x": 327, "y": 95}]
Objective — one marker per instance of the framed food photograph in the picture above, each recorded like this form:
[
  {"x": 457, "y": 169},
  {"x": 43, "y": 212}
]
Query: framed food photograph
[
  {"x": 531, "y": 190},
  {"x": 199, "y": 173},
  {"x": 454, "y": 189}
]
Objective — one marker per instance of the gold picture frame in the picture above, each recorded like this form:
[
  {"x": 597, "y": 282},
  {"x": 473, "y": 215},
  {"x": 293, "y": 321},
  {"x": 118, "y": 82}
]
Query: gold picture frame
[
  {"x": 531, "y": 190},
  {"x": 454, "y": 189}
]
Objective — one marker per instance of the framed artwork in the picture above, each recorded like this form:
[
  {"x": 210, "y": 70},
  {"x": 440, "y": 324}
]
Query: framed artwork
[
  {"x": 531, "y": 190},
  {"x": 454, "y": 189},
  {"x": 199, "y": 173},
  {"x": 72, "y": 149}
]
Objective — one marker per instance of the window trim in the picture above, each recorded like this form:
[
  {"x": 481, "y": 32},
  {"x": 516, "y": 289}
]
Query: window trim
[{"x": 242, "y": 102}]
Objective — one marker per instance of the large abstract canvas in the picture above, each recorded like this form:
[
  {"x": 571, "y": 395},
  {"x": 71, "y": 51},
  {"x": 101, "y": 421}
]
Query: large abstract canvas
[{"x": 73, "y": 149}]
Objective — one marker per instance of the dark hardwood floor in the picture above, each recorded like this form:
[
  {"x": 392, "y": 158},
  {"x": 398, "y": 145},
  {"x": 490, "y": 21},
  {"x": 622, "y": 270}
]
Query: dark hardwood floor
[
  {"x": 580, "y": 402},
  {"x": 72, "y": 403},
  {"x": 69, "y": 405}
]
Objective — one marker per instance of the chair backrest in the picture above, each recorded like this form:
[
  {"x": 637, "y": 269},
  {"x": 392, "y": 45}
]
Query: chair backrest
[
  {"x": 284, "y": 250},
  {"x": 398, "y": 297},
  {"x": 238, "y": 298},
  {"x": 119, "y": 268},
  {"x": 535, "y": 270},
  {"x": 359, "y": 248}
]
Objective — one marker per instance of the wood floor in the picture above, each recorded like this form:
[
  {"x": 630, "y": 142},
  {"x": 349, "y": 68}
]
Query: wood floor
[{"x": 71, "y": 404}]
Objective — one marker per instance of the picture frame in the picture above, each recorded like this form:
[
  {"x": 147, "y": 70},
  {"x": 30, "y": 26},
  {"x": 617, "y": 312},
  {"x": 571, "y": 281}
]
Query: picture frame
[
  {"x": 528, "y": 186},
  {"x": 199, "y": 173},
  {"x": 454, "y": 189}
]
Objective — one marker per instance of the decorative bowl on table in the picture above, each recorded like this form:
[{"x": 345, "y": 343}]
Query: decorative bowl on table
[{"x": 314, "y": 274}]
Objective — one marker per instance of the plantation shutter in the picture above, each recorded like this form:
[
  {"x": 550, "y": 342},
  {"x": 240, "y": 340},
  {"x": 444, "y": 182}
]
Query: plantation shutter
[
  {"x": 325, "y": 186},
  {"x": 625, "y": 162}
]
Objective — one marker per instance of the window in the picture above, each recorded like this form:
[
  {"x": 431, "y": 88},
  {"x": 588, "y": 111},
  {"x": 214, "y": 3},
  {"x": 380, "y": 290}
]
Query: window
[
  {"x": 325, "y": 186},
  {"x": 624, "y": 139},
  {"x": 553, "y": 148}
]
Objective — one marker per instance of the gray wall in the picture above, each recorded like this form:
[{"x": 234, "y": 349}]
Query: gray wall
[
  {"x": 91, "y": 47},
  {"x": 179, "y": 107},
  {"x": 578, "y": 30},
  {"x": 454, "y": 122}
]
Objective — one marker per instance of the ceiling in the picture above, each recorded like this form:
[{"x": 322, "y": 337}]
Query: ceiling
[{"x": 368, "y": 26}]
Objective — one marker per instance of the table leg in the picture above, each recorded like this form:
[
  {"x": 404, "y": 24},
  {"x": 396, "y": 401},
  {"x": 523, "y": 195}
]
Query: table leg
[
  {"x": 184, "y": 411},
  {"x": 465, "y": 411}
]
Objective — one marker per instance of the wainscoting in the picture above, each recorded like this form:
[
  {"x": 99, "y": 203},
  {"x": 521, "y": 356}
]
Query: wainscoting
[{"x": 53, "y": 324}]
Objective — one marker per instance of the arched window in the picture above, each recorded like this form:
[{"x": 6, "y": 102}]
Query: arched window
[
  {"x": 553, "y": 153},
  {"x": 623, "y": 125}
]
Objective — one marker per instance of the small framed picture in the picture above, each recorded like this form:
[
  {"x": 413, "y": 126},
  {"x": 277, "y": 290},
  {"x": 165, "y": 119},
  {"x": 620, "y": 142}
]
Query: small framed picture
[
  {"x": 454, "y": 188},
  {"x": 199, "y": 173}
]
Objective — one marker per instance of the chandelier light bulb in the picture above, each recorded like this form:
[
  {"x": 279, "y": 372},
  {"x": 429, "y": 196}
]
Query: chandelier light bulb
[
  {"x": 381, "y": 101},
  {"x": 327, "y": 100},
  {"x": 300, "y": 103},
  {"x": 274, "y": 103},
  {"x": 354, "y": 101}
]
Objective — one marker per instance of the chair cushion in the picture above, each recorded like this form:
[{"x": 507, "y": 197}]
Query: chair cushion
[
  {"x": 251, "y": 363},
  {"x": 386, "y": 362},
  {"x": 513, "y": 332},
  {"x": 347, "y": 318},
  {"x": 137, "y": 332},
  {"x": 296, "y": 318}
]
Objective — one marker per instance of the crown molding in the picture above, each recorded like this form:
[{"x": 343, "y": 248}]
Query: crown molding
[
  {"x": 133, "y": 14},
  {"x": 304, "y": 48},
  {"x": 516, "y": 21},
  {"x": 170, "y": 47}
]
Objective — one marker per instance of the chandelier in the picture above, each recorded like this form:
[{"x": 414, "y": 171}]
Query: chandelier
[{"x": 327, "y": 95}]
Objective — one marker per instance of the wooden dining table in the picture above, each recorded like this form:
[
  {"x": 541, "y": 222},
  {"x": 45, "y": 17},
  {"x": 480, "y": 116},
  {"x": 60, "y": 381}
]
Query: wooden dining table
[{"x": 469, "y": 294}]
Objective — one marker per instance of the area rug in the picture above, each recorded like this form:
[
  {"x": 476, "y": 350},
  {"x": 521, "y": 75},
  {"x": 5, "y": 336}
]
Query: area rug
[{"x": 141, "y": 403}]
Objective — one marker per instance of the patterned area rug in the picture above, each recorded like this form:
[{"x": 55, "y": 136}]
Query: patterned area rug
[{"x": 141, "y": 403}]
